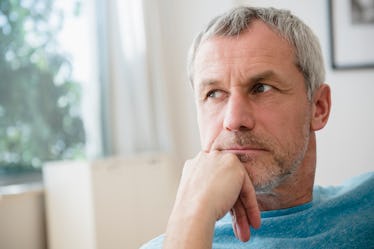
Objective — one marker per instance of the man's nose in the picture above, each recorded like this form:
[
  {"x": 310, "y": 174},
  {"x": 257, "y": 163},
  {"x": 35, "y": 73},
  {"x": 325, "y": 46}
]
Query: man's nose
[{"x": 239, "y": 114}]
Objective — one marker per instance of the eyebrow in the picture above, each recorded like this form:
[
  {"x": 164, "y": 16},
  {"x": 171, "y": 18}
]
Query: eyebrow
[
  {"x": 206, "y": 83},
  {"x": 268, "y": 74}
]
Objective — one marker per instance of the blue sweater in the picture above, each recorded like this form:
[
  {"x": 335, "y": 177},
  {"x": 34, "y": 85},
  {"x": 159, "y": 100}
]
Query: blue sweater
[{"x": 338, "y": 217}]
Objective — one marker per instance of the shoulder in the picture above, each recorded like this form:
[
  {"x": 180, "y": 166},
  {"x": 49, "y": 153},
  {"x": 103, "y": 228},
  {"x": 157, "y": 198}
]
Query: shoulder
[
  {"x": 354, "y": 188},
  {"x": 154, "y": 243},
  {"x": 354, "y": 196},
  {"x": 359, "y": 183},
  {"x": 347, "y": 212}
]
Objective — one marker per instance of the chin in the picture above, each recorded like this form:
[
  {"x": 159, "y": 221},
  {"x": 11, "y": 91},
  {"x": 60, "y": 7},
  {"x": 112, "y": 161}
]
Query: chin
[{"x": 265, "y": 184}]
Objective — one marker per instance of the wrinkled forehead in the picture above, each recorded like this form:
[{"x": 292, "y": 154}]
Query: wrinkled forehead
[
  {"x": 257, "y": 44},
  {"x": 257, "y": 34}
]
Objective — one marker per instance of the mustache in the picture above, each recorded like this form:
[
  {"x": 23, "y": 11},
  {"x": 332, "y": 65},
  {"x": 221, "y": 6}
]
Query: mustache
[{"x": 241, "y": 139}]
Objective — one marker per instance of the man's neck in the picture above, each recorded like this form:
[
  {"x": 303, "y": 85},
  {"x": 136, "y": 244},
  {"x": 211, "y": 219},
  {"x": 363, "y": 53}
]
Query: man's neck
[{"x": 278, "y": 201}]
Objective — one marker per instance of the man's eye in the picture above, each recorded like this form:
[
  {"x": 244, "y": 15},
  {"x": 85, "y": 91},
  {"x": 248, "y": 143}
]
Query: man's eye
[
  {"x": 261, "y": 88},
  {"x": 214, "y": 94}
]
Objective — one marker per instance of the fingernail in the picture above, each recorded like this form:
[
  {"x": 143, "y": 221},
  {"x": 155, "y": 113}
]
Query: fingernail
[{"x": 236, "y": 230}]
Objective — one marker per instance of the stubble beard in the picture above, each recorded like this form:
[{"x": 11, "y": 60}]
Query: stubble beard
[{"x": 269, "y": 171}]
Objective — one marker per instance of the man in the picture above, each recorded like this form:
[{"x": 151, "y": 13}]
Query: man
[{"x": 257, "y": 76}]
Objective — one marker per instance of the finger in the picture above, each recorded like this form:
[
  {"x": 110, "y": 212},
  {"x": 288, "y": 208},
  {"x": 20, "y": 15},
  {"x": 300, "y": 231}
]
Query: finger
[
  {"x": 249, "y": 201},
  {"x": 241, "y": 221},
  {"x": 208, "y": 147}
]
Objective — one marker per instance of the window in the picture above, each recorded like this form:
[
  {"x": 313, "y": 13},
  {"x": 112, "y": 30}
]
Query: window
[{"x": 48, "y": 76}]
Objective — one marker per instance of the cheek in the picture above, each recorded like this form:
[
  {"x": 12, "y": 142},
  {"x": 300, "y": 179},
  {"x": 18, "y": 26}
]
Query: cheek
[
  {"x": 287, "y": 123},
  {"x": 298, "y": 129}
]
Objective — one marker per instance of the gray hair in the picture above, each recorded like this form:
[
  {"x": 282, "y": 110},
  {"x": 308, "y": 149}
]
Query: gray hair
[{"x": 308, "y": 53}]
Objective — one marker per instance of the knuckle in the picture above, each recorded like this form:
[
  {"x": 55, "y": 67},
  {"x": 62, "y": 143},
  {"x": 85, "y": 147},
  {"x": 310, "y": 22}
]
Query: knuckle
[{"x": 230, "y": 158}]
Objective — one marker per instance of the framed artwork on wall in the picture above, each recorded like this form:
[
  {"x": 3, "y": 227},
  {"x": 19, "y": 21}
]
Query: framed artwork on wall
[{"x": 352, "y": 33}]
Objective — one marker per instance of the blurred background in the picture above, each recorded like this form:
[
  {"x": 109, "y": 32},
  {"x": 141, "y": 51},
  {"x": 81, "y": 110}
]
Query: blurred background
[{"x": 97, "y": 115}]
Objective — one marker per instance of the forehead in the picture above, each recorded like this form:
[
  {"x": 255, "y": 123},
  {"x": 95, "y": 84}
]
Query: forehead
[{"x": 259, "y": 47}]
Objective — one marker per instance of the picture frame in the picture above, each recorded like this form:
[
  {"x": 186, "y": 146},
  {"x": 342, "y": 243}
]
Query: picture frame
[{"x": 351, "y": 33}]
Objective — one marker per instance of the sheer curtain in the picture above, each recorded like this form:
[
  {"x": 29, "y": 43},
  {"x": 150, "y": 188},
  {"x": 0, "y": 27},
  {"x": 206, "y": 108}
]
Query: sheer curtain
[{"x": 136, "y": 118}]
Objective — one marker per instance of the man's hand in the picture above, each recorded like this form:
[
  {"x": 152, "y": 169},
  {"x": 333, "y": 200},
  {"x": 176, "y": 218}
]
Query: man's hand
[{"x": 212, "y": 184}]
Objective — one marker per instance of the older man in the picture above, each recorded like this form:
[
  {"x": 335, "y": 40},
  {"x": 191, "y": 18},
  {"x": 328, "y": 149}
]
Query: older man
[{"x": 258, "y": 76}]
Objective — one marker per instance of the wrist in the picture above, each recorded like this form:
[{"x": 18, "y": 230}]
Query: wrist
[{"x": 190, "y": 226}]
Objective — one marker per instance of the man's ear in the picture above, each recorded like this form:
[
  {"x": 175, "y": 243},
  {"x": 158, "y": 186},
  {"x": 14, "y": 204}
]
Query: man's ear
[{"x": 321, "y": 107}]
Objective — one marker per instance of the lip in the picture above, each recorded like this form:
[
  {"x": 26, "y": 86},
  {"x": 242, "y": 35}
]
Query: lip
[
  {"x": 246, "y": 155},
  {"x": 243, "y": 150},
  {"x": 249, "y": 152}
]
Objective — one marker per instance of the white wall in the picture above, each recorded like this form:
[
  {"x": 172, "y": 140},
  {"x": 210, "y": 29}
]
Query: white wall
[{"x": 344, "y": 146}]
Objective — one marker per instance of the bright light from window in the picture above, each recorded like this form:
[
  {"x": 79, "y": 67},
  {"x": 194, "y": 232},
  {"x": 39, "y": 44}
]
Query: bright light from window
[{"x": 49, "y": 82}]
